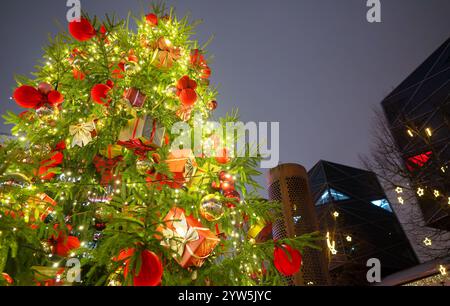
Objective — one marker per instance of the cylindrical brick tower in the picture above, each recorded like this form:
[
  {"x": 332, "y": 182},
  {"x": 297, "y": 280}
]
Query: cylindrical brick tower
[{"x": 289, "y": 185}]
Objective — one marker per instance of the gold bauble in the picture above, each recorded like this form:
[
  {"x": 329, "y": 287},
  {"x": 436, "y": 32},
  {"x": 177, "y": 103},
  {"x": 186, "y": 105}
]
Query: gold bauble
[{"x": 211, "y": 208}]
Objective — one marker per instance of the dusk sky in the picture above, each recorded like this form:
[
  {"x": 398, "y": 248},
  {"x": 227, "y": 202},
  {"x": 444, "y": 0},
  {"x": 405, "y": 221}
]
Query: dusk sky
[{"x": 316, "y": 66}]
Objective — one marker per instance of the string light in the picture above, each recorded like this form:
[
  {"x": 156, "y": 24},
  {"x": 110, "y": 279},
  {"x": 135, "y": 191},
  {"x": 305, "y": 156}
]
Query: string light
[
  {"x": 335, "y": 214},
  {"x": 401, "y": 201},
  {"x": 427, "y": 241},
  {"x": 410, "y": 133},
  {"x": 443, "y": 270},
  {"x": 349, "y": 238},
  {"x": 420, "y": 192},
  {"x": 428, "y": 131},
  {"x": 436, "y": 193},
  {"x": 331, "y": 244},
  {"x": 399, "y": 190}
]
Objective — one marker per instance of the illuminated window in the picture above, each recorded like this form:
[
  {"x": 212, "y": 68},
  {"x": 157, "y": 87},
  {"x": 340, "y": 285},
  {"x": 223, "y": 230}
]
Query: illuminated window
[
  {"x": 383, "y": 203},
  {"x": 331, "y": 195}
]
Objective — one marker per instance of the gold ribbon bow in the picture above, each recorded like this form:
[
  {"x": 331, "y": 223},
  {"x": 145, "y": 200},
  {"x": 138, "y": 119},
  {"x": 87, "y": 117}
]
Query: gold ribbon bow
[
  {"x": 178, "y": 239},
  {"x": 82, "y": 133}
]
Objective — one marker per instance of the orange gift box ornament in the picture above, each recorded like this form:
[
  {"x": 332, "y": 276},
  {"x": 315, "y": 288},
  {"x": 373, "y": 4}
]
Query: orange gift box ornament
[
  {"x": 146, "y": 129},
  {"x": 165, "y": 54},
  {"x": 191, "y": 243},
  {"x": 182, "y": 162}
]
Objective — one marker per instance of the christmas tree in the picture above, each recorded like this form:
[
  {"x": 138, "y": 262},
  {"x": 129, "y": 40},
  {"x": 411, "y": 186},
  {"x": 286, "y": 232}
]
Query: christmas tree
[{"x": 92, "y": 173}]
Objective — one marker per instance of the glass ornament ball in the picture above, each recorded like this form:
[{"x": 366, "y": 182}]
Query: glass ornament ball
[{"x": 211, "y": 208}]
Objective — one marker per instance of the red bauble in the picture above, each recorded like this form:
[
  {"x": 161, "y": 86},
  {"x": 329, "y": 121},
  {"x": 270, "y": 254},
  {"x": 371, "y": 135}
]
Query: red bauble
[
  {"x": 188, "y": 97},
  {"x": 99, "y": 94},
  {"x": 222, "y": 156},
  {"x": 81, "y": 30},
  {"x": 215, "y": 185},
  {"x": 232, "y": 195},
  {"x": 55, "y": 97},
  {"x": 151, "y": 268},
  {"x": 212, "y": 105},
  {"x": 186, "y": 91},
  {"x": 152, "y": 19},
  {"x": 226, "y": 186},
  {"x": 226, "y": 177},
  {"x": 287, "y": 260},
  {"x": 27, "y": 96}
]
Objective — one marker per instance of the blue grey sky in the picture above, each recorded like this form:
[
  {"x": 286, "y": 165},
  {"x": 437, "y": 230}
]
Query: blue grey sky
[{"x": 316, "y": 66}]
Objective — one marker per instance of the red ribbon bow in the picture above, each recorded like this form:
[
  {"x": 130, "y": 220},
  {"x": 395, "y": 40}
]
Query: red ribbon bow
[{"x": 137, "y": 146}]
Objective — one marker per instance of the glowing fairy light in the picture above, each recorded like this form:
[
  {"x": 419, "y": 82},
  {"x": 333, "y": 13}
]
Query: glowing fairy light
[
  {"x": 400, "y": 200},
  {"x": 436, "y": 193},
  {"x": 410, "y": 133},
  {"x": 331, "y": 244},
  {"x": 399, "y": 190},
  {"x": 427, "y": 241},
  {"x": 429, "y": 132},
  {"x": 420, "y": 192},
  {"x": 442, "y": 270}
]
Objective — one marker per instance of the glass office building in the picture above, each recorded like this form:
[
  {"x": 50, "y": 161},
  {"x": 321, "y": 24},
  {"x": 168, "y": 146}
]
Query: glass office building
[
  {"x": 359, "y": 223},
  {"x": 418, "y": 115}
]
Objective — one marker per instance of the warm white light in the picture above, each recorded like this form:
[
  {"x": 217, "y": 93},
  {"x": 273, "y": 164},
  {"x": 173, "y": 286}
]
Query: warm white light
[
  {"x": 420, "y": 192},
  {"x": 427, "y": 241},
  {"x": 443, "y": 270}
]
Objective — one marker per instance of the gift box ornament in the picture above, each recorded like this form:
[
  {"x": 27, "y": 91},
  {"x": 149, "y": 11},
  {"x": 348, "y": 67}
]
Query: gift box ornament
[
  {"x": 190, "y": 242},
  {"x": 182, "y": 161},
  {"x": 165, "y": 54},
  {"x": 38, "y": 208},
  {"x": 203, "y": 174},
  {"x": 111, "y": 151},
  {"x": 135, "y": 97},
  {"x": 145, "y": 128},
  {"x": 260, "y": 231}
]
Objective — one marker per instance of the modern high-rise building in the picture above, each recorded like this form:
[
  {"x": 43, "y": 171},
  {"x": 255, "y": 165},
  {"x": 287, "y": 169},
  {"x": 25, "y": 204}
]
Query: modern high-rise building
[
  {"x": 289, "y": 185},
  {"x": 359, "y": 223},
  {"x": 418, "y": 115}
]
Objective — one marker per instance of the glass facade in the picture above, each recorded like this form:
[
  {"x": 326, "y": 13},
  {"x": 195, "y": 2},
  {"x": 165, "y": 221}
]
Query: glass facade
[{"x": 353, "y": 209}]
